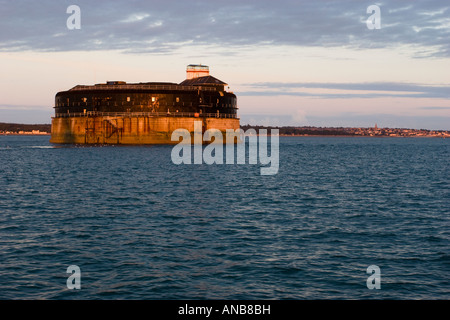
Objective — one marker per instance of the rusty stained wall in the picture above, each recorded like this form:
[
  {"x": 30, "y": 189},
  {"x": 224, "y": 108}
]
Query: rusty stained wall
[{"x": 129, "y": 130}]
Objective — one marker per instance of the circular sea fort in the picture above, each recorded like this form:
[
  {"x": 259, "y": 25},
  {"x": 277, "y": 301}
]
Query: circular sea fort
[{"x": 117, "y": 112}]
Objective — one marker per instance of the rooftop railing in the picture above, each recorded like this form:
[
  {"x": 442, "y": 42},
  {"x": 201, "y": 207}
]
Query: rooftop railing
[
  {"x": 142, "y": 87},
  {"x": 146, "y": 114}
]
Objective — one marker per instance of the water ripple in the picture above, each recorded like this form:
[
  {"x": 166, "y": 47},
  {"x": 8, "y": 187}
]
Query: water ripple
[{"x": 140, "y": 227}]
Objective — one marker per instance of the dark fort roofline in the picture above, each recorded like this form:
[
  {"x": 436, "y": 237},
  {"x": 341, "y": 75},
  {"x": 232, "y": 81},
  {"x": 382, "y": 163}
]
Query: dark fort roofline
[{"x": 199, "y": 95}]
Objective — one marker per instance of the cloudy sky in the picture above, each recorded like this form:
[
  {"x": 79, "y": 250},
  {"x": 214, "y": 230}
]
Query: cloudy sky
[{"x": 289, "y": 62}]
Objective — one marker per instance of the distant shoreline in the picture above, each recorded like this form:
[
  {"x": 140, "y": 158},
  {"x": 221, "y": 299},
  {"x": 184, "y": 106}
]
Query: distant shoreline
[
  {"x": 280, "y": 135},
  {"x": 25, "y": 134},
  {"x": 351, "y": 132},
  {"x": 286, "y": 131},
  {"x": 24, "y": 129},
  {"x": 357, "y": 136}
]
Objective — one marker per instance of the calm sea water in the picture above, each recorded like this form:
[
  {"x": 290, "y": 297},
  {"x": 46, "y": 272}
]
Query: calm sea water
[{"x": 140, "y": 227}]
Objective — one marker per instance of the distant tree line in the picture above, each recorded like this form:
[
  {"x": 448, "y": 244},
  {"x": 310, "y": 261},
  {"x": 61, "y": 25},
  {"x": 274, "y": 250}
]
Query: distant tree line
[
  {"x": 303, "y": 130},
  {"x": 16, "y": 127}
]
